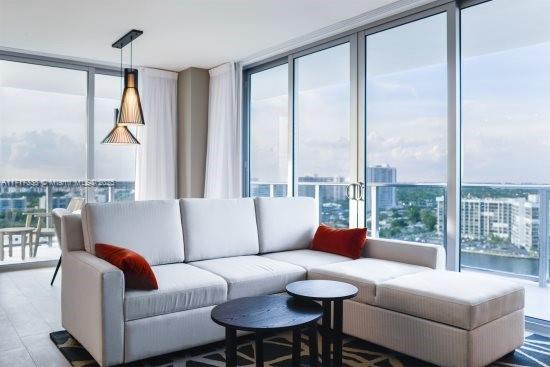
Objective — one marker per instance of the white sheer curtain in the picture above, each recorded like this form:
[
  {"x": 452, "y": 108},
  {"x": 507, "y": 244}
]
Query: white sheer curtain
[
  {"x": 156, "y": 156},
  {"x": 223, "y": 156}
]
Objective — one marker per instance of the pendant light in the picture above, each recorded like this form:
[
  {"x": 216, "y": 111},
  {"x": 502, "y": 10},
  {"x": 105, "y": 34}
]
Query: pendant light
[
  {"x": 130, "y": 105},
  {"x": 120, "y": 134},
  {"x": 131, "y": 112}
]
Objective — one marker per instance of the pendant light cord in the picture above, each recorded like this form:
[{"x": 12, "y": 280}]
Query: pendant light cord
[{"x": 121, "y": 74}]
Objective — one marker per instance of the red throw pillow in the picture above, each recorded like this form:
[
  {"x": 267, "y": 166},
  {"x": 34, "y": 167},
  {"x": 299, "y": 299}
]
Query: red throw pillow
[
  {"x": 341, "y": 241},
  {"x": 137, "y": 271}
]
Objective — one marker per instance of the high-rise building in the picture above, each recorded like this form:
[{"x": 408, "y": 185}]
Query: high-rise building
[
  {"x": 57, "y": 201},
  {"x": 7, "y": 204},
  {"x": 386, "y": 195},
  {"x": 525, "y": 222},
  {"x": 513, "y": 220}
]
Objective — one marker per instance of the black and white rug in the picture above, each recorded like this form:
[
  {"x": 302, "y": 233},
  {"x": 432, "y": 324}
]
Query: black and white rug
[{"x": 278, "y": 349}]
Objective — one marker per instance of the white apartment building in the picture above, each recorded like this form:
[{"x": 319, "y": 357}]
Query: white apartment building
[
  {"x": 525, "y": 222},
  {"x": 513, "y": 220}
]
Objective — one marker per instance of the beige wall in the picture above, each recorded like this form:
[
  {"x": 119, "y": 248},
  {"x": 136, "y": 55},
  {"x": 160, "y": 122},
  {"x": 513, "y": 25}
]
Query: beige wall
[{"x": 192, "y": 131}]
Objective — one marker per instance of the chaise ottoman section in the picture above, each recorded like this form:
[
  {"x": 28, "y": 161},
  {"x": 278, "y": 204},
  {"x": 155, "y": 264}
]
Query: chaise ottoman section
[
  {"x": 463, "y": 300},
  {"x": 366, "y": 274}
]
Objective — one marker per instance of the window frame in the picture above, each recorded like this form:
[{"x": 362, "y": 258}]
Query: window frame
[
  {"x": 452, "y": 8},
  {"x": 91, "y": 69},
  {"x": 356, "y": 38}
]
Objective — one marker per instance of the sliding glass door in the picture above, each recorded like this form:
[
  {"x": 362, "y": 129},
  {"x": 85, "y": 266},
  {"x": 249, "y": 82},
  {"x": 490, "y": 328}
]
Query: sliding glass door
[
  {"x": 406, "y": 130},
  {"x": 323, "y": 132},
  {"x": 300, "y": 136}
]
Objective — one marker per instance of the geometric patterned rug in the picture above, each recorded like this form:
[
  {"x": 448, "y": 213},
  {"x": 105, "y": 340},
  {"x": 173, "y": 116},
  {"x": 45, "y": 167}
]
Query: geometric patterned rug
[{"x": 278, "y": 353}]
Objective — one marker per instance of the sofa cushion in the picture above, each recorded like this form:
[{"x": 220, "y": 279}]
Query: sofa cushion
[
  {"x": 307, "y": 259},
  {"x": 253, "y": 275},
  {"x": 181, "y": 287},
  {"x": 150, "y": 228},
  {"x": 342, "y": 241},
  {"x": 137, "y": 271},
  {"x": 366, "y": 274},
  {"x": 215, "y": 228},
  {"x": 464, "y": 300},
  {"x": 285, "y": 223}
]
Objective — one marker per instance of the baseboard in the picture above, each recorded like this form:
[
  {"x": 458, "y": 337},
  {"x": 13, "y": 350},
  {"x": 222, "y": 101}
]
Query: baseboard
[{"x": 28, "y": 265}]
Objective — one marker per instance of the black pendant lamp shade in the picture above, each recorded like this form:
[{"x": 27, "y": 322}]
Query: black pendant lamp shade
[
  {"x": 131, "y": 112},
  {"x": 120, "y": 134}
]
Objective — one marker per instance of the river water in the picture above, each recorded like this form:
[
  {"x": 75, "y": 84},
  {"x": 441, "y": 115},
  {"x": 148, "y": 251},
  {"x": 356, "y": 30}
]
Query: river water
[{"x": 516, "y": 265}]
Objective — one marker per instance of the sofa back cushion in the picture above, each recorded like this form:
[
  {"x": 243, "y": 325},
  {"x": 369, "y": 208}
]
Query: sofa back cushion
[
  {"x": 150, "y": 228},
  {"x": 285, "y": 223},
  {"x": 214, "y": 228}
]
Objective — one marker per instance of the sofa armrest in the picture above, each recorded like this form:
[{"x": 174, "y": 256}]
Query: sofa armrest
[
  {"x": 92, "y": 299},
  {"x": 422, "y": 254},
  {"x": 72, "y": 238}
]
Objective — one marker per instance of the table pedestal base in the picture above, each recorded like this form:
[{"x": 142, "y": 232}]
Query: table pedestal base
[
  {"x": 231, "y": 347},
  {"x": 332, "y": 336}
]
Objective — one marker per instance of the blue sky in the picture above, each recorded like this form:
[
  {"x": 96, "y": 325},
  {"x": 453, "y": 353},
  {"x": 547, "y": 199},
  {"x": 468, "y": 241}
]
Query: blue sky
[
  {"x": 505, "y": 106},
  {"x": 505, "y": 102}
]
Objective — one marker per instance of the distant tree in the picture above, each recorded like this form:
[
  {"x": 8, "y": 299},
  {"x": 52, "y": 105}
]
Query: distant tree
[
  {"x": 384, "y": 233},
  {"x": 428, "y": 219},
  {"x": 495, "y": 240},
  {"x": 398, "y": 223},
  {"x": 414, "y": 214}
]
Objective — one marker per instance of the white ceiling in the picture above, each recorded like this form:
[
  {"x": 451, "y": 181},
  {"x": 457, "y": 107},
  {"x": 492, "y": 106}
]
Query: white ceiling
[{"x": 177, "y": 33}]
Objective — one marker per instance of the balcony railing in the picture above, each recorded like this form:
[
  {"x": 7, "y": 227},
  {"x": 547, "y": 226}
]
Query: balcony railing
[
  {"x": 504, "y": 227},
  {"x": 21, "y": 196}
]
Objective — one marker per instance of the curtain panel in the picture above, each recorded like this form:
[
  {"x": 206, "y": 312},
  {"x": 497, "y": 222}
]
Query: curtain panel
[
  {"x": 223, "y": 178},
  {"x": 156, "y": 156}
]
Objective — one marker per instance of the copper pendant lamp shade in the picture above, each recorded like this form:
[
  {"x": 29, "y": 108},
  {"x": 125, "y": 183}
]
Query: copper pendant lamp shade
[
  {"x": 131, "y": 112},
  {"x": 120, "y": 135}
]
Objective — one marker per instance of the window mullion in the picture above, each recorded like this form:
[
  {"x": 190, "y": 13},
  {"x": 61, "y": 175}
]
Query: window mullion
[
  {"x": 292, "y": 187},
  {"x": 90, "y": 132},
  {"x": 452, "y": 223}
]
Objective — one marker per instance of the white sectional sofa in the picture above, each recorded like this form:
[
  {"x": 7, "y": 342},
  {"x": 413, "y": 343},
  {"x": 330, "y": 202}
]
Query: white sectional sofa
[{"x": 205, "y": 252}]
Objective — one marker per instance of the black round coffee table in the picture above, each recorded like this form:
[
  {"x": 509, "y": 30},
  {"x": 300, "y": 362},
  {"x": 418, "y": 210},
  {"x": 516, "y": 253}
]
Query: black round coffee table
[
  {"x": 268, "y": 313},
  {"x": 327, "y": 291}
]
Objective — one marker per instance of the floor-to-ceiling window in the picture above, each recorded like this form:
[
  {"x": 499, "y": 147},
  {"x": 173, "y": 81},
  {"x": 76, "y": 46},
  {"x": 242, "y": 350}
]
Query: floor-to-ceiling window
[
  {"x": 505, "y": 125},
  {"x": 406, "y": 130},
  {"x": 42, "y": 122},
  {"x": 50, "y": 149},
  {"x": 269, "y": 132},
  {"x": 437, "y": 120},
  {"x": 323, "y": 149}
]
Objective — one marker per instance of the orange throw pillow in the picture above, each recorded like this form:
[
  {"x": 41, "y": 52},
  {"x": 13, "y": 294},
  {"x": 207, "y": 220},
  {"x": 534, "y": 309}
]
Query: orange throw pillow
[
  {"x": 341, "y": 241},
  {"x": 137, "y": 271}
]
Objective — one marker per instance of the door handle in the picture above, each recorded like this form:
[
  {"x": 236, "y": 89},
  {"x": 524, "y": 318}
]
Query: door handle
[
  {"x": 355, "y": 191},
  {"x": 351, "y": 187},
  {"x": 361, "y": 191}
]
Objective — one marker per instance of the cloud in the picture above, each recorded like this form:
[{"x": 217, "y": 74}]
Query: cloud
[{"x": 42, "y": 154}]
